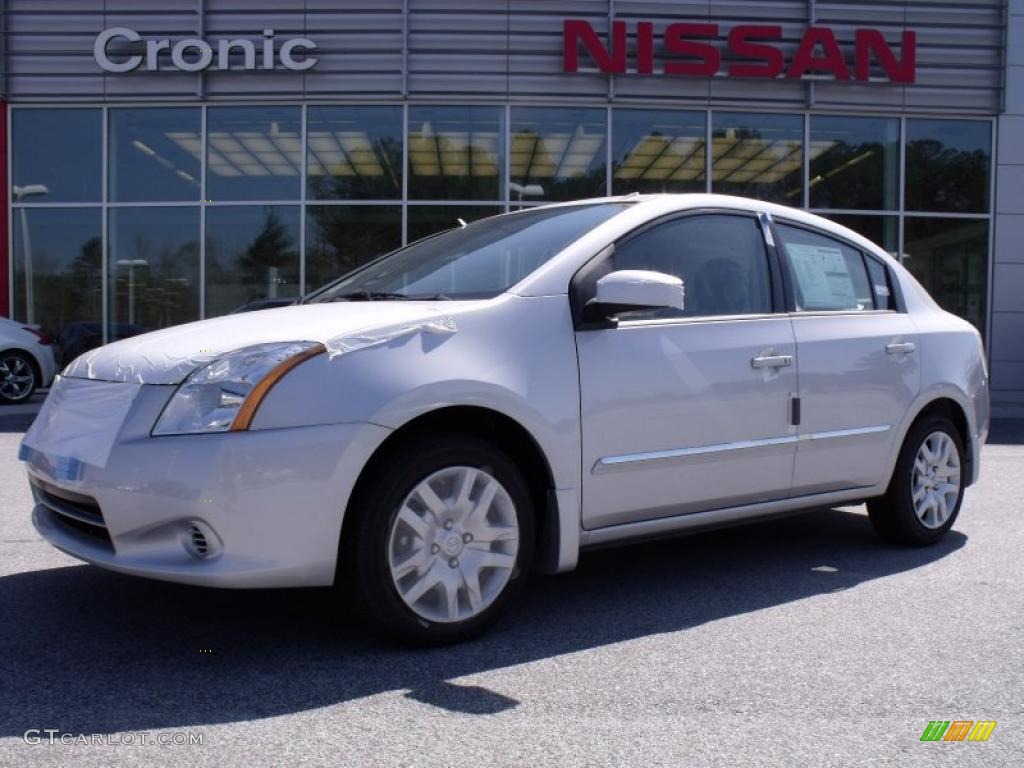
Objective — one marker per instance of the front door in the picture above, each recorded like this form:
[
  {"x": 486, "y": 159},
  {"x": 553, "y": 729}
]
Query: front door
[{"x": 689, "y": 411}]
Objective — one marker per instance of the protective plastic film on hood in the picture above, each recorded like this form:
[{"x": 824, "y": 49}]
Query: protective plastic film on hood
[
  {"x": 79, "y": 422},
  {"x": 139, "y": 368},
  {"x": 171, "y": 355},
  {"x": 437, "y": 323}
]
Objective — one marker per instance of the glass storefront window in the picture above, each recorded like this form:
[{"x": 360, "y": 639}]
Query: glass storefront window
[
  {"x": 464, "y": 162},
  {"x": 948, "y": 165},
  {"x": 153, "y": 262},
  {"x": 354, "y": 153},
  {"x": 854, "y": 162},
  {"x": 557, "y": 154},
  {"x": 57, "y": 155},
  {"x": 252, "y": 253},
  {"x": 880, "y": 230},
  {"x": 657, "y": 150},
  {"x": 154, "y": 154},
  {"x": 253, "y": 153},
  {"x": 424, "y": 220},
  {"x": 758, "y": 155},
  {"x": 58, "y": 275},
  {"x": 340, "y": 238},
  {"x": 950, "y": 258},
  {"x": 455, "y": 153}
]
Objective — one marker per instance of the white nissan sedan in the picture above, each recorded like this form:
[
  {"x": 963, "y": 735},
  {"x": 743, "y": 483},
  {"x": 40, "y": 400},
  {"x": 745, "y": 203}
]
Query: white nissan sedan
[{"x": 497, "y": 398}]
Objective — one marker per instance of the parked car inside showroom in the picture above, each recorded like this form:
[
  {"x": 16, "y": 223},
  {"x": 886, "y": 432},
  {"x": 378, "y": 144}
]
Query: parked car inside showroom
[
  {"x": 497, "y": 398},
  {"x": 26, "y": 361}
]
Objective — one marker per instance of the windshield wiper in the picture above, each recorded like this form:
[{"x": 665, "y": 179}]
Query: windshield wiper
[{"x": 369, "y": 296}]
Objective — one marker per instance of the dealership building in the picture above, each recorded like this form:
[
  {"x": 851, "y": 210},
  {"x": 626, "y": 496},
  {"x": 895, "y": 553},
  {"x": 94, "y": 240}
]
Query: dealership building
[{"x": 178, "y": 160}]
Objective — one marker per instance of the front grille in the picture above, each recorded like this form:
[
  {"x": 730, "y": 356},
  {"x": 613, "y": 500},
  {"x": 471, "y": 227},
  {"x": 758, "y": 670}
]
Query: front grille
[{"x": 73, "y": 512}]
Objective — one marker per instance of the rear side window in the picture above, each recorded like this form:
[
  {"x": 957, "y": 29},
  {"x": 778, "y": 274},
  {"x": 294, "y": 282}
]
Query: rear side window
[
  {"x": 828, "y": 275},
  {"x": 721, "y": 258}
]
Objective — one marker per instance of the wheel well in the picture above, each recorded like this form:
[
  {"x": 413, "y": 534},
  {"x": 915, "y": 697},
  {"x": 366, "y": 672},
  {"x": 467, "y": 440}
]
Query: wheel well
[
  {"x": 504, "y": 432},
  {"x": 952, "y": 410}
]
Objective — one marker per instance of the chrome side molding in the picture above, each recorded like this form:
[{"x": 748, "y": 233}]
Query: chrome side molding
[{"x": 632, "y": 460}]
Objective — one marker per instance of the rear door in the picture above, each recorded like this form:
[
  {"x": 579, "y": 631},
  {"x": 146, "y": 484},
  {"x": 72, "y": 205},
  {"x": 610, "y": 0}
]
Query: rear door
[
  {"x": 857, "y": 360},
  {"x": 686, "y": 411}
]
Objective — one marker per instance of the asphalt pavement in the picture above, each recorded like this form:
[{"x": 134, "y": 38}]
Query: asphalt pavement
[{"x": 802, "y": 641}]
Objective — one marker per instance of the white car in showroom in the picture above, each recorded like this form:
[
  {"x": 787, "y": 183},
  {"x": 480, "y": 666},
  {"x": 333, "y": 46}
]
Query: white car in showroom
[
  {"x": 499, "y": 397},
  {"x": 27, "y": 361}
]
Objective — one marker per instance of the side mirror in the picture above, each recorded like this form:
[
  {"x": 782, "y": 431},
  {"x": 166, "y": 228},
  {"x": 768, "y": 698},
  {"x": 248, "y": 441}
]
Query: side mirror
[{"x": 629, "y": 289}]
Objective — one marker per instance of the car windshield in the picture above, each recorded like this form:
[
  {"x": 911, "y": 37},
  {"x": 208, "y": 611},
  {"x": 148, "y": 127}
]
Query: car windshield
[{"x": 475, "y": 261}]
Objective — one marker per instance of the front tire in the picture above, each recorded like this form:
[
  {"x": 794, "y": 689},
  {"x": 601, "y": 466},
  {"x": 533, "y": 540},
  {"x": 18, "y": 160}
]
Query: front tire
[
  {"x": 18, "y": 378},
  {"x": 927, "y": 486},
  {"x": 441, "y": 538}
]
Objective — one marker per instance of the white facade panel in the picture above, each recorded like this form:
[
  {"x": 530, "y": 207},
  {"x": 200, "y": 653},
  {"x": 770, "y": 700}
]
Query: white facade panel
[{"x": 1009, "y": 246}]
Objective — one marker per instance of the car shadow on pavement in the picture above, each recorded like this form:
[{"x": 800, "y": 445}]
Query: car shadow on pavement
[{"x": 89, "y": 651}]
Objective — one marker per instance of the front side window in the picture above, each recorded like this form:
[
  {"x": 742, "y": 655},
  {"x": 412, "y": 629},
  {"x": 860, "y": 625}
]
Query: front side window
[
  {"x": 721, "y": 259},
  {"x": 477, "y": 261},
  {"x": 828, "y": 275}
]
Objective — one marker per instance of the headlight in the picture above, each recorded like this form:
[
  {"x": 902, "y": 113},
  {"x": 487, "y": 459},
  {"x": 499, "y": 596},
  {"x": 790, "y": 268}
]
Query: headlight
[{"x": 225, "y": 393}]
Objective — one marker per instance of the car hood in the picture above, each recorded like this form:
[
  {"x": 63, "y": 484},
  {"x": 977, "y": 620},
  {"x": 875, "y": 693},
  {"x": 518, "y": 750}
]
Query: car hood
[{"x": 170, "y": 355}]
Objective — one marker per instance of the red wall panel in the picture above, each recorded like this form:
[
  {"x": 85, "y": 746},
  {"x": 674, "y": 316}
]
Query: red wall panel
[{"x": 5, "y": 256}]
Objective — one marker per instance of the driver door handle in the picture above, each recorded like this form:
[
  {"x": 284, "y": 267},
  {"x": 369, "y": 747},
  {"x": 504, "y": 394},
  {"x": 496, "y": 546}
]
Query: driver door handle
[
  {"x": 771, "y": 361},
  {"x": 900, "y": 348}
]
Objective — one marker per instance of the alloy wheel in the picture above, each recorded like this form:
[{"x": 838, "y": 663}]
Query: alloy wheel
[{"x": 17, "y": 379}]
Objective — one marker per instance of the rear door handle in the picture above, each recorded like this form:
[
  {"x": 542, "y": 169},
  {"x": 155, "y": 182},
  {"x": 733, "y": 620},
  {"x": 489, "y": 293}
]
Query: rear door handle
[
  {"x": 900, "y": 348},
  {"x": 771, "y": 361}
]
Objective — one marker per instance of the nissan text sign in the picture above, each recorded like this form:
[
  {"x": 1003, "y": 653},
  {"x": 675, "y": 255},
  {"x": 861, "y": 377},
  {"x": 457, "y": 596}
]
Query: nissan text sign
[
  {"x": 195, "y": 55},
  {"x": 688, "y": 49}
]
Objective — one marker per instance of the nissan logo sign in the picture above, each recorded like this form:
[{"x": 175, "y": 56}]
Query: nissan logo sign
[{"x": 194, "y": 55}]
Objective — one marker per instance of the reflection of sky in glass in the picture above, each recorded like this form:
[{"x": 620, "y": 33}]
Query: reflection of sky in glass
[
  {"x": 60, "y": 149},
  {"x": 154, "y": 154},
  {"x": 965, "y": 135}
]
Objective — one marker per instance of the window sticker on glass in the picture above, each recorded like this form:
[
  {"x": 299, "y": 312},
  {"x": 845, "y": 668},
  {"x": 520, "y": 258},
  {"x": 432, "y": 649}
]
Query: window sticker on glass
[
  {"x": 882, "y": 290},
  {"x": 823, "y": 276}
]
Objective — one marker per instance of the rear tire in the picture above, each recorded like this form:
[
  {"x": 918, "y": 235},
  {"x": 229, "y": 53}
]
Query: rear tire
[
  {"x": 927, "y": 486},
  {"x": 440, "y": 539},
  {"x": 18, "y": 377}
]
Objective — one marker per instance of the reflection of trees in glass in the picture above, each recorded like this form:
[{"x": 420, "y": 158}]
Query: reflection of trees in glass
[
  {"x": 945, "y": 178},
  {"x": 850, "y": 176},
  {"x": 342, "y": 238},
  {"x": 271, "y": 249},
  {"x": 950, "y": 259},
  {"x": 160, "y": 289},
  {"x": 356, "y": 186},
  {"x": 72, "y": 294}
]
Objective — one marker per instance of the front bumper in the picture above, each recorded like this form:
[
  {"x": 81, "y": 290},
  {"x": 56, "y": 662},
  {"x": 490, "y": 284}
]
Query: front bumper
[{"x": 269, "y": 503}]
